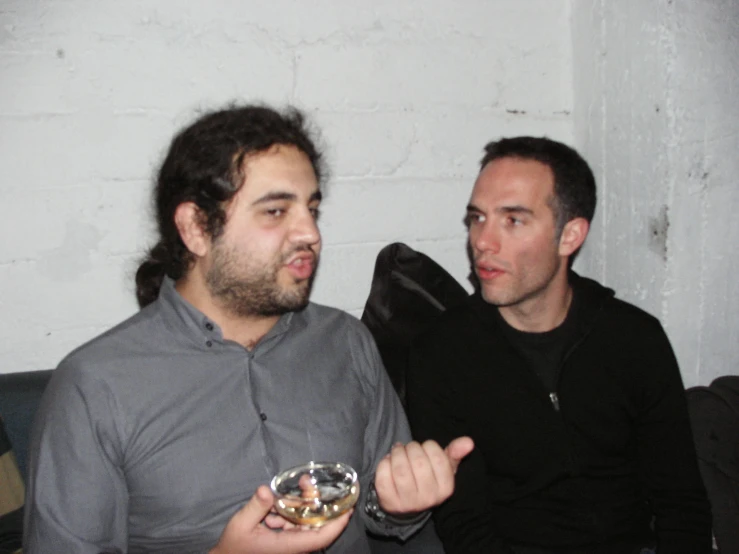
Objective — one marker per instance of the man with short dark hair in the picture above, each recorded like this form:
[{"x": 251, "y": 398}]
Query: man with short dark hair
[
  {"x": 574, "y": 398},
  {"x": 151, "y": 437}
]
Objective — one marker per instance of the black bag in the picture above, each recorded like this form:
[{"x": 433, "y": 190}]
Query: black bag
[
  {"x": 409, "y": 290},
  {"x": 714, "y": 415}
]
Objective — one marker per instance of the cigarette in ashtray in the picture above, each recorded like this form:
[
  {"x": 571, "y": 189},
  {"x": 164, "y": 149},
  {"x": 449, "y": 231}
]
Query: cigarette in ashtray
[
  {"x": 308, "y": 491},
  {"x": 308, "y": 488}
]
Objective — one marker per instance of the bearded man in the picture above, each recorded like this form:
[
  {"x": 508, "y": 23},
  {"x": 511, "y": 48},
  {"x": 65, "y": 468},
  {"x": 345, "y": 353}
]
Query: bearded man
[{"x": 153, "y": 436}]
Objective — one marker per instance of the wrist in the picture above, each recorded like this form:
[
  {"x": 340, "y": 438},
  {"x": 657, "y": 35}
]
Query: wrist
[{"x": 373, "y": 509}]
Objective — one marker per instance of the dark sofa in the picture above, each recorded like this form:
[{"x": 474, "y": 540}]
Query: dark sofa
[{"x": 19, "y": 397}]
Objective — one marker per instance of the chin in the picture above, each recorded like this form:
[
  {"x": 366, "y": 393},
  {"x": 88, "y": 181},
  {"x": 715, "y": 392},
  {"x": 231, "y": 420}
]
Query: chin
[
  {"x": 295, "y": 300},
  {"x": 490, "y": 296},
  {"x": 501, "y": 300},
  {"x": 491, "y": 300}
]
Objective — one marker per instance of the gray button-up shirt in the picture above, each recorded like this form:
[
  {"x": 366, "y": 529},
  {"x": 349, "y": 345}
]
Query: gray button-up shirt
[{"x": 151, "y": 436}]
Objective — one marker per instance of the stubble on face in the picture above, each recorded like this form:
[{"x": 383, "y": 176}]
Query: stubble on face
[
  {"x": 528, "y": 257},
  {"x": 247, "y": 290},
  {"x": 528, "y": 281}
]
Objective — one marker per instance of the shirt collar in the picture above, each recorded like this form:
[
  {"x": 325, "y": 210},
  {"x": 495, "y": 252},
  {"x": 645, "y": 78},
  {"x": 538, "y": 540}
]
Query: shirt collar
[{"x": 196, "y": 324}]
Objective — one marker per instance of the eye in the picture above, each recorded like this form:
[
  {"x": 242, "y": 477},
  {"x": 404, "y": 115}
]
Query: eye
[
  {"x": 315, "y": 212},
  {"x": 514, "y": 221},
  {"x": 275, "y": 212},
  {"x": 473, "y": 218}
]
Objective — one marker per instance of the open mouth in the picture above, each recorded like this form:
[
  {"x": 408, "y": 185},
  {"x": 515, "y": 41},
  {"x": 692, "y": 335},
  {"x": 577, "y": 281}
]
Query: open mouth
[
  {"x": 487, "y": 272},
  {"x": 302, "y": 266}
]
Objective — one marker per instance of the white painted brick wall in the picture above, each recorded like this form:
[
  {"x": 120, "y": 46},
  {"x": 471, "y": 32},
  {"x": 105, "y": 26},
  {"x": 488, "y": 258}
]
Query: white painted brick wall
[
  {"x": 406, "y": 94},
  {"x": 656, "y": 112}
]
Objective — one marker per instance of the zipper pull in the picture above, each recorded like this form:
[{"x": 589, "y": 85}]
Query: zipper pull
[{"x": 555, "y": 400}]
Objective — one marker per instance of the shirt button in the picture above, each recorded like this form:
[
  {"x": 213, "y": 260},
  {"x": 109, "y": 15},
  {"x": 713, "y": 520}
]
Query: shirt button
[
  {"x": 208, "y": 343},
  {"x": 209, "y": 326},
  {"x": 263, "y": 416}
]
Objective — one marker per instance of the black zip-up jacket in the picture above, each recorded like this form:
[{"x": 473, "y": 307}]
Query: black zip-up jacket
[{"x": 588, "y": 467}]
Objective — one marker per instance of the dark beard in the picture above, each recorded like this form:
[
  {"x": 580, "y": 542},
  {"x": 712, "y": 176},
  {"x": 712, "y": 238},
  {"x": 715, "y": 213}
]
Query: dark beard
[{"x": 256, "y": 293}]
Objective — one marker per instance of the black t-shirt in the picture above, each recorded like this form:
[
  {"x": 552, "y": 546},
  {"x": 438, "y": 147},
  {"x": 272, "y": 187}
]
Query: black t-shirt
[{"x": 544, "y": 352}]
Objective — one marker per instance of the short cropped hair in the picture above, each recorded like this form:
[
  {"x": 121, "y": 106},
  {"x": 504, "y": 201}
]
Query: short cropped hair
[{"x": 574, "y": 183}]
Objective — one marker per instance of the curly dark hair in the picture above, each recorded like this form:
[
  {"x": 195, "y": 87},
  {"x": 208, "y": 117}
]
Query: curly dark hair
[
  {"x": 204, "y": 165},
  {"x": 574, "y": 183}
]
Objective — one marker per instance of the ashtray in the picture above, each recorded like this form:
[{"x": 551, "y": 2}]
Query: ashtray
[{"x": 316, "y": 492}]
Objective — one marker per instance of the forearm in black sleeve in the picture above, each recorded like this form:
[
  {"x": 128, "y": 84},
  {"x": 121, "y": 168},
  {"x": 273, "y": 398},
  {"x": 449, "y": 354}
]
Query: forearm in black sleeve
[{"x": 667, "y": 457}]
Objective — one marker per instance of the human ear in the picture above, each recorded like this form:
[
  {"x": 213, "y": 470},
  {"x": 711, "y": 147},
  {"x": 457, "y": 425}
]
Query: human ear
[
  {"x": 188, "y": 220},
  {"x": 573, "y": 235}
]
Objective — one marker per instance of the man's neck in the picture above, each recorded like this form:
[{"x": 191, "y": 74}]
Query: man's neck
[
  {"x": 543, "y": 312},
  {"x": 245, "y": 330}
]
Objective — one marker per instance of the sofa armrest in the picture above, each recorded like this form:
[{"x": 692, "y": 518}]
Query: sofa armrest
[{"x": 20, "y": 394}]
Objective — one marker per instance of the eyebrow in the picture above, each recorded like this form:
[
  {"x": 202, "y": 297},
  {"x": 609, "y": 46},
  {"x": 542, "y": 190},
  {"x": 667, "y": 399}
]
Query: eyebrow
[
  {"x": 515, "y": 210},
  {"x": 503, "y": 209},
  {"x": 292, "y": 197}
]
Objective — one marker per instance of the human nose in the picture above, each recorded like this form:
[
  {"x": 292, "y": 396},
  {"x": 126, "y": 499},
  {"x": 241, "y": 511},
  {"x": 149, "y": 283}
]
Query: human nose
[
  {"x": 305, "y": 230},
  {"x": 486, "y": 238}
]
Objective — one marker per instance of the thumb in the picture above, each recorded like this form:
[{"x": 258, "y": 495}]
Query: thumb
[
  {"x": 458, "y": 449},
  {"x": 257, "y": 508},
  {"x": 245, "y": 521}
]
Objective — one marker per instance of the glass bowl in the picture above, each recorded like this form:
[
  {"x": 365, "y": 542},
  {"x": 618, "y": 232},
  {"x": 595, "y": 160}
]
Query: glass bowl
[{"x": 314, "y": 493}]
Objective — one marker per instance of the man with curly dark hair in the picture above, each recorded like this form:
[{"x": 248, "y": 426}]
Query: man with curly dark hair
[{"x": 151, "y": 437}]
